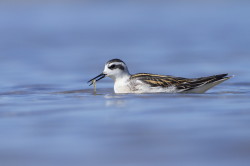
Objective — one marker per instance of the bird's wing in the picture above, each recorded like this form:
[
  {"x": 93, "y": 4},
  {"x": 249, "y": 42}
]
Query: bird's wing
[
  {"x": 198, "y": 82},
  {"x": 183, "y": 84},
  {"x": 155, "y": 80}
]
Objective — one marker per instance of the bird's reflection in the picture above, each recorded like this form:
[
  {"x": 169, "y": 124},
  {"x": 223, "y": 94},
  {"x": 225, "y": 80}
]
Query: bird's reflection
[{"x": 114, "y": 100}]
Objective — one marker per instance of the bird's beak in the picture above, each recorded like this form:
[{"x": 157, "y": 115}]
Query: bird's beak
[{"x": 97, "y": 78}]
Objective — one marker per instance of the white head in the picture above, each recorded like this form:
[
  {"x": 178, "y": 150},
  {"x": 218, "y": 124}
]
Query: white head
[{"x": 114, "y": 69}]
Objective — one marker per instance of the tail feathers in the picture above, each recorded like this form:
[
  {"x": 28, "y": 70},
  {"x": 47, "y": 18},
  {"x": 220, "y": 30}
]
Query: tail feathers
[{"x": 201, "y": 85}]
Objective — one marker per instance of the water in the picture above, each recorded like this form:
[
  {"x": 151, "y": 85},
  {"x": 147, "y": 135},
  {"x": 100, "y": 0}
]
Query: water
[{"x": 50, "y": 116}]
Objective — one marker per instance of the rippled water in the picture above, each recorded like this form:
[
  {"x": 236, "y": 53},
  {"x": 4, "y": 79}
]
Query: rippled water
[{"x": 50, "y": 116}]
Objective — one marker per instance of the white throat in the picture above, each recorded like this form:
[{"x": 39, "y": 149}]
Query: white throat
[
  {"x": 122, "y": 83},
  {"x": 122, "y": 76}
]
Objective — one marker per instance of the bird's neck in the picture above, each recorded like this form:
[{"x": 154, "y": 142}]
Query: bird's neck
[
  {"x": 121, "y": 83},
  {"x": 123, "y": 77}
]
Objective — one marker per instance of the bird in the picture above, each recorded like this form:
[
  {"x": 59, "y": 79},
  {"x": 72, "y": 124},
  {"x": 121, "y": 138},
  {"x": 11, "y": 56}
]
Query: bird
[{"x": 124, "y": 82}]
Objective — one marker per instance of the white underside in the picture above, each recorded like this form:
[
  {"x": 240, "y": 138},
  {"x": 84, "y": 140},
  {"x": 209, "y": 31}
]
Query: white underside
[{"x": 124, "y": 86}]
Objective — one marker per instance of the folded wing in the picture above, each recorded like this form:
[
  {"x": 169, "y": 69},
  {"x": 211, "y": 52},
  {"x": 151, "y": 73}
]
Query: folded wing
[{"x": 181, "y": 84}]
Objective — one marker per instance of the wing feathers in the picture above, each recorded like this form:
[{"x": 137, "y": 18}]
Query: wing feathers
[{"x": 180, "y": 83}]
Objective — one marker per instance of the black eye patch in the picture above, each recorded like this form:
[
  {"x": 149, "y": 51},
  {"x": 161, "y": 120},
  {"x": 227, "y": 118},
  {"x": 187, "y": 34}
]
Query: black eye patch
[
  {"x": 112, "y": 67},
  {"x": 116, "y": 66}
]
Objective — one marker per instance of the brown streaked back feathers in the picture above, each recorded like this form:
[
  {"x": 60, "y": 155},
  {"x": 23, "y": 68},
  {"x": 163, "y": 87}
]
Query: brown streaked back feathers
[{"x": 180, "y": 83}]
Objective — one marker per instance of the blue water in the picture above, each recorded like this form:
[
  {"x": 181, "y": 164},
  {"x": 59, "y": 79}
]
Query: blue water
[{"x": 50, "y": 116}]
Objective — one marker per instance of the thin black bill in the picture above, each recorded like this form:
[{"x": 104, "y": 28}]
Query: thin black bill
[{"x": 97, "y": 78}]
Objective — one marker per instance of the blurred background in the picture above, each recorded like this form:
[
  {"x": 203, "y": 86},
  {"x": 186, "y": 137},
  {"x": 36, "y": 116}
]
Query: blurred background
[
  {"x": 56, "y": 46},
  {"x": 71, "y": 39}
]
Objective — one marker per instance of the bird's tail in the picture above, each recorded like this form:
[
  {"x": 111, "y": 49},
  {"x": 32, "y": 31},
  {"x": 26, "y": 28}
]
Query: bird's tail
[{"x": 201, "y": 85}]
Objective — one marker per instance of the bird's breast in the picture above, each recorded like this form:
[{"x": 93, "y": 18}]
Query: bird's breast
[{"x": 122, "y": 87}]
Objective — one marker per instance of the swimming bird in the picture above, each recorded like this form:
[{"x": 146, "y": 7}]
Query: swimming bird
[{"x": 124, "y": 82}]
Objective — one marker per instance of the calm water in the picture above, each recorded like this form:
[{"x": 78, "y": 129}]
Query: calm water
[{"x": 50, "y": 116}]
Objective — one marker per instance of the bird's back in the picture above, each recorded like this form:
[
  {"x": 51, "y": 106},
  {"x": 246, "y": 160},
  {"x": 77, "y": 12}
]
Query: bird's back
[{"x": 165, "y": 83}]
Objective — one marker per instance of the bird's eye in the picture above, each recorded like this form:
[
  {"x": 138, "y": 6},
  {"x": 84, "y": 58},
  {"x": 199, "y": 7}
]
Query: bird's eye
[{"x": 112, "y": 66}]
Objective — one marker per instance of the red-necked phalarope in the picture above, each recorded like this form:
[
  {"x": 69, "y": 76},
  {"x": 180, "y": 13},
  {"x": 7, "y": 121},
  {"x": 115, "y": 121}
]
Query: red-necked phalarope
[{"x": 153, "y": 83}]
